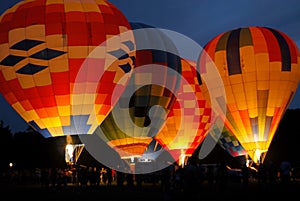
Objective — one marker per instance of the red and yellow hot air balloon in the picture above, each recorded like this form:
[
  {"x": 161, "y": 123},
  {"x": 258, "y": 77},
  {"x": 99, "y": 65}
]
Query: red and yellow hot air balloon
[
  {"x": 260, "y": 70},
  {"x": 61, "y": 60},
  {"x": 189, "y": 120}
]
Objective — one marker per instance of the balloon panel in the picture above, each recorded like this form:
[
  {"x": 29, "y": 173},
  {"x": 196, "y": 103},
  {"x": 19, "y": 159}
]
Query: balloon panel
[
  {"x": 43, "y": 45},
  {"x": 260, "y": 71}
]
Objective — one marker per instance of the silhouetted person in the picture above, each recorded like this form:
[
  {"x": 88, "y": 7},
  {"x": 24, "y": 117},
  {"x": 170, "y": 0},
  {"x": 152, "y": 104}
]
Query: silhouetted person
[
  {"x": 285, "y": 171},
  {"x": 166, "y": 182},
  {"x": 245, "y": 178},
  {"x": 191, "y": 174}
]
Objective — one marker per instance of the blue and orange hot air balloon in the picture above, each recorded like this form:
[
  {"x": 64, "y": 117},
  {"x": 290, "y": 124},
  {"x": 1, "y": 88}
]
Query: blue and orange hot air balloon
[
  {"x": 260, "y": 70},
  {"x": 61, "y": 60},
  {"x": 134, "y": 121}
]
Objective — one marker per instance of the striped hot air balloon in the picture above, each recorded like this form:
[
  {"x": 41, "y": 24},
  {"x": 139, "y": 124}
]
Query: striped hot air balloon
[{"x": 260, "y": 70}]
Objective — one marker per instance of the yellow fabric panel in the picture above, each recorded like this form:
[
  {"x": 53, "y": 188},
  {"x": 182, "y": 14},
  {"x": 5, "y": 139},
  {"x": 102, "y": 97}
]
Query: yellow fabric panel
[
  {"x": 76, "y": 109},
  {"x": 59, "y": 65},
  {"x": 35, "y": 32},
  {"x": 42, "y": 78},
  {"x": 262, "y": 68},
  {"x": 21, "y": 53},
  {"x": 40, "y": 123},
  {"x": 78, "y": 52},
  {"x": 249, "y": 77},
  {"x": 251, "y": 95},
  {"x": 270, "y": 111},
  {"x": 263, "y": 76},
  {"x": 64, "y": 110},
  {"x": 65, "y": 120},
  {"x": 88, "y": 99},
  {"x": 247, "y": 59},
  {"x": 56, "y": 131},
  {"x": 100, "y": 118},
  {"x": 236, "y": 79},
  {"x": 246, "y": 121},
  {"x": 51, "y": 122},
  {"x": 32, "y": 115},
  {"x": 73, "y": 6},
  {"x": 78, "y": 99},
  {"x": 101, "y": 2},
  {"x": 16, "y": 35},
  {"x": 55, "y": 41},
  {"x": 221, "y": 62},
  {"x": 294, "y": 76},
  {"x": 18, "y": 107},
  {"x": 4, "y": 51},
  {"x": 229, "y": 95},
  {"x": 239, "y": 96},
  {"x": 9, "y": 74},
  {"x": 263, "y": 85},
  {"x": 26, "y": 81},
  {"x": 274, "y": 94},
  {"x": 49, "y": 2},
  {"x": 262, "y": 127},
  {"x": 86, "y": 109},
  {"x": 87, "y": 7},
  {"x": 275, "y": 69},
  {"x": 39, "y": 62},
  {"x": 238, "y": 121}
]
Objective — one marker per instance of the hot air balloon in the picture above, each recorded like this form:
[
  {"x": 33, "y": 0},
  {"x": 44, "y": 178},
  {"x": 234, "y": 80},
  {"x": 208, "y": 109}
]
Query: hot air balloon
[
  {"x": 189, "y": 120},
  {"x": 259, "y": 67},
  {"x": 227, "y": 141},
  {"x": 136, "y": 118},
  {"x": 61, "y": 60}
]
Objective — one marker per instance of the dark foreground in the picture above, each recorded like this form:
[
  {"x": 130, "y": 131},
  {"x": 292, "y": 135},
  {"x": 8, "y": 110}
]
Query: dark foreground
[{"x": 229, "y": 191}]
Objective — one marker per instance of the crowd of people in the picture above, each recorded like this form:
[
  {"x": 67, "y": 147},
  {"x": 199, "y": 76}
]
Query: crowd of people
[{"x": 188, "y": 178}]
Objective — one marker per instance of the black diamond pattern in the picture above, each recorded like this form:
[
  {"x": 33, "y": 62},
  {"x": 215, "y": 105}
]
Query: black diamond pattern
[
  {"x": 31, "y": 69},
  {"x": 11, "y": 60},
  {"x": 26, "y": 44},
  {"x": 47, "y": 54}
]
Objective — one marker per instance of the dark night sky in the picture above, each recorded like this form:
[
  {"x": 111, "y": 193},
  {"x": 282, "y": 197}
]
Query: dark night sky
[{"x": 198, "y": 20}]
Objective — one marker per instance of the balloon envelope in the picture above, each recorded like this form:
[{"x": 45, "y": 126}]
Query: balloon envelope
[
  {"x": 44, "y": 45},
  {"x": 148, "y": 98},
  {"x": 260, "y": 71},
  {"x": 190, "y": 118}
]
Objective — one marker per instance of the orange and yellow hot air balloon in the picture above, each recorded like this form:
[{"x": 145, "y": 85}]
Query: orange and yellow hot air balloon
[
  {"x": 51, "y": 53},
  {"x": 260, "y": 70},
  {"x": 189, "y": 120}
]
